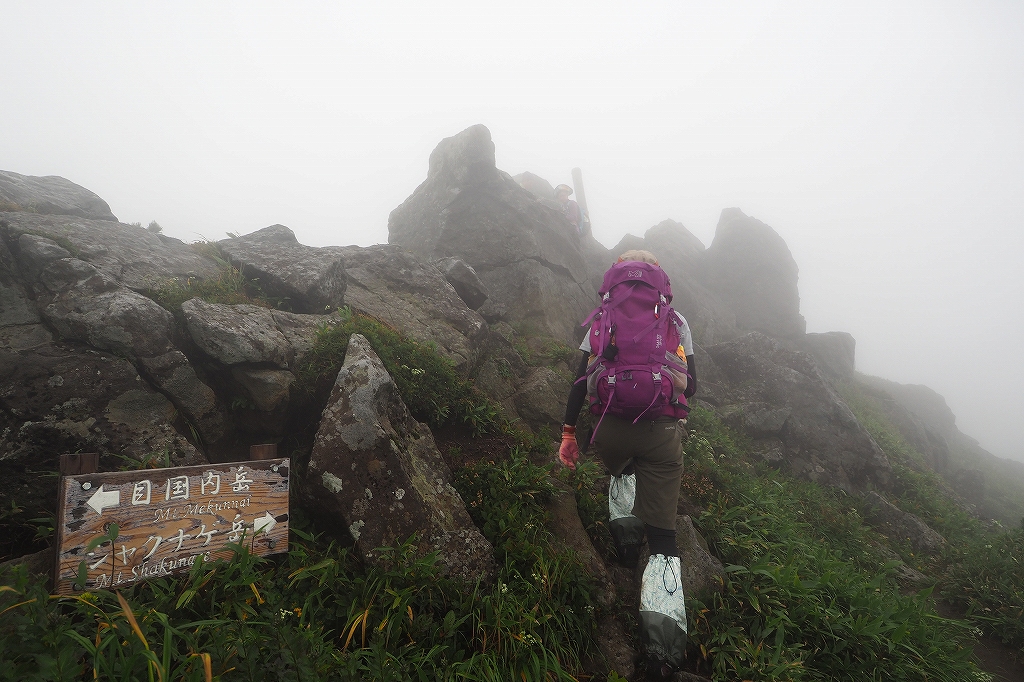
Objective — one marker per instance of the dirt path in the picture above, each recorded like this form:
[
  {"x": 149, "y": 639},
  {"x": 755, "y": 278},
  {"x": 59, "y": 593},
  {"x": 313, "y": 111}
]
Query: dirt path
[{"x": 993, "y": 656}]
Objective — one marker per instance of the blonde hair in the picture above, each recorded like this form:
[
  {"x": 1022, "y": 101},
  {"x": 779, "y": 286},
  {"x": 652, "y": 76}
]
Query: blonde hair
[{"x": 638, "y": 255}]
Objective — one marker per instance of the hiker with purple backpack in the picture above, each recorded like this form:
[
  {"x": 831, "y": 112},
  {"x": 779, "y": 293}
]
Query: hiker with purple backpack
[{"x": 638, "y": 370}]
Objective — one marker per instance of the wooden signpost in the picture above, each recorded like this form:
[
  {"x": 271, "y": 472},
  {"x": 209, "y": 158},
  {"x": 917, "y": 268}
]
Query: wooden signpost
[{"x": 115, "y": 529}]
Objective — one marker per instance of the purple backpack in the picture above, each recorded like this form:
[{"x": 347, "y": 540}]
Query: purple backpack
[{"x": 633, "y": 341}]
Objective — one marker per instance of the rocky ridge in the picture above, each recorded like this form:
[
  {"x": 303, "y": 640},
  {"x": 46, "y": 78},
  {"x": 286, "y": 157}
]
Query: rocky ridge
[{"x": 477, "y": 266}]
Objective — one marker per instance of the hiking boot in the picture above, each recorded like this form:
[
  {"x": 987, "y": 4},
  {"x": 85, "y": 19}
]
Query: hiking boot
[
  {"x": 628, "y": 555},
  {"x": 658, "y": 669}
]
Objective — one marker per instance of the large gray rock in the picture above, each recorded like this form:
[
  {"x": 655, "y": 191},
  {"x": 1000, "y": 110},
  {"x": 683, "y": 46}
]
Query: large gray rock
[
  {"x": 616, "y": 650},
  {"x": 312, "y": 279},
  {"x": 268, "y": 388},
  {"x": 128, "y": 255},
  {"x": 86, "y": 302},
  {"x": 24, "y": 336},
  {"x": 901, "y": 525},
  {"x": 236, "y": 334},
  {"x": 923, "y": 402},
  {"x": 35, "y": 253},
  {"x": 50, "y": 194},
  {"x": 540, "y": 400},
  {"x": 405, "y": 291},
  {"x": 376, "y": 471},
  {"x": 569, "y": 534},
  {"x": 57, "y": 398},
  {"x": 926, "y": 423},
  {"x": 541, "y": 189},
  {"x": 500, "y": 370},
  {"x": 702, "y": 572},
  {"x": 930, "y": 435},
  {"x": 835, "y": 353},
  {"x": 465, "y": 281},
  {"x": 598, "y": 259},
  {"x": 681, "y": 255},
  {"x": 750, "y": 268},
  {"x": 775, "y": 393},
  {"x": 174, "y": 375},
  {"x": 119, "y": 320},
  {"x": 15, "y": 306},
  {"x": 528, "y": 255}
]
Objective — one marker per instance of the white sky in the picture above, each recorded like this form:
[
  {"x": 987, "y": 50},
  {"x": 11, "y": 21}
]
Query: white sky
[{"x": 883, "y": 141}]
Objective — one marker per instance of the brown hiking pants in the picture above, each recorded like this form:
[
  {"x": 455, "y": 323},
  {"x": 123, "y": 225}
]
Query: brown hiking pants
[{"x": 656, "y": 448}]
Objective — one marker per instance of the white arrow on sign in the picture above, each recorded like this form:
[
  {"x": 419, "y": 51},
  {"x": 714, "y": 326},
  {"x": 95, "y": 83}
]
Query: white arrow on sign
[
  {"x": 102, "y": 499},
  {"x": 265, "y": 524}
]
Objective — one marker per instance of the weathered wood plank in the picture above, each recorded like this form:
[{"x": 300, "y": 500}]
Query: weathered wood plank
[{"x": 166, "y": 519}]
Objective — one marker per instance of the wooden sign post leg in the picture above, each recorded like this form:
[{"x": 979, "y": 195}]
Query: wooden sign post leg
[
  {"x": 261, "y": 452},
  {"x": 79, "y": 463},
  {"x": 71, "y": 464}
]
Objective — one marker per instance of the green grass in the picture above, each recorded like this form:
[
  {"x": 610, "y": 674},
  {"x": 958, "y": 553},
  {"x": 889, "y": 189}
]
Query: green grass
[
  {"x": 318, "y": 614},
  {"x": 805, "y": 595},
  {"x": 986, "y": 579},
  {"x": 232, "y": 287},
  {"x": 545, "y": 351},
  {"x": 429, "y": 384}
]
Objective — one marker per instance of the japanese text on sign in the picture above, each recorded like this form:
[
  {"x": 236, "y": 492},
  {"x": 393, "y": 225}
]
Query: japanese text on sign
[{"x": 118, "y": 528}]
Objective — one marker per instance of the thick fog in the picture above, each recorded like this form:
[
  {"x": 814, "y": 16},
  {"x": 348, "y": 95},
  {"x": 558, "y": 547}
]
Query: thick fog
[{"x": 883, "y": 141}]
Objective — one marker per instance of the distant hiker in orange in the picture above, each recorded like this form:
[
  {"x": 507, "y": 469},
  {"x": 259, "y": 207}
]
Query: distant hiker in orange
[{"x": 570, "y": 209}]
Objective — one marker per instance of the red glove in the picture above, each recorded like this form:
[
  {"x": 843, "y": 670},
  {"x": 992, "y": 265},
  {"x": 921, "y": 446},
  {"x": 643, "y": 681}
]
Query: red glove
[{"x": 569, "y": 452}]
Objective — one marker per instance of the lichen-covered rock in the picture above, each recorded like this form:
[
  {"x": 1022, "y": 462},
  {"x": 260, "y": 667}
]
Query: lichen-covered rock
[
  {"x": 120, "y": 321},
  {"x": 57, "y": 398},
  {"x": 405, "y": 291},
  {"x": 771, "y": 392},
  {"x": 312, "y": 279},
  {"x": 236, "y": 334},
  {"x": 377, "y": 472},
  {"x": 527, "y": 254},
  {"x": 50, "y": 194}
]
